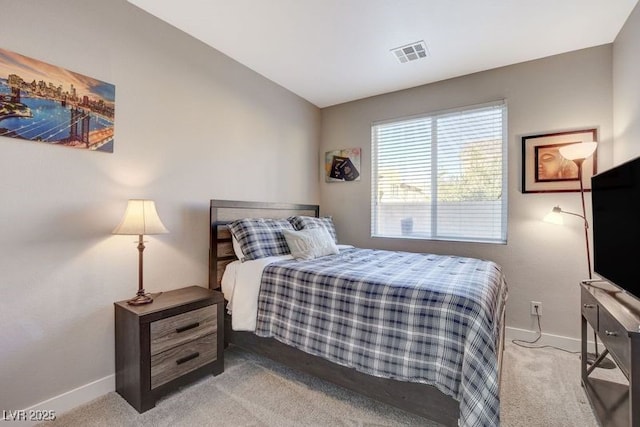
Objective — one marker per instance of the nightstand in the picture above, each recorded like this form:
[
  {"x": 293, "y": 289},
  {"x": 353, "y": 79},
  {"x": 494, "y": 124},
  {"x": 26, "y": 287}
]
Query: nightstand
[{"x": 171, "y": 342}]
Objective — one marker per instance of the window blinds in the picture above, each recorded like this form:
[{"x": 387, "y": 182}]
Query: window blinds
[{"x": 441, "y": 176}]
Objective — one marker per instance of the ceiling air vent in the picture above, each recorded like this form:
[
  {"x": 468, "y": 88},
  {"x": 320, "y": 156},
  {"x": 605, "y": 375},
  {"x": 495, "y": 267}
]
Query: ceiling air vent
[{"x": 411, "y": 51}]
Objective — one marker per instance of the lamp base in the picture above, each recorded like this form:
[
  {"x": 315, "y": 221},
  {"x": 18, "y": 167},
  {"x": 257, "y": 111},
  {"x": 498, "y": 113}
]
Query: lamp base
[
  {"x": 140, "y": 299},
  {"x": 605, "y": 363}
]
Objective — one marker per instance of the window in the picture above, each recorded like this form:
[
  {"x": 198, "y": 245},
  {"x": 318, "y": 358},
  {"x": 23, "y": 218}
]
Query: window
[{"x": 441, "y": 176}]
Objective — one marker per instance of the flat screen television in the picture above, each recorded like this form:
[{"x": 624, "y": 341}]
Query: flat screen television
[{"x": 616, "y": 225}]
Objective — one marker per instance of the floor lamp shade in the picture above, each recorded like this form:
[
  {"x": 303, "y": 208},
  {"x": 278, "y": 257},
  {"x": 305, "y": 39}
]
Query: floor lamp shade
[
  {"x": 579, "y": 151},
  {"x": 139, "y": 219},
  {"x": 555, "y": 216}
]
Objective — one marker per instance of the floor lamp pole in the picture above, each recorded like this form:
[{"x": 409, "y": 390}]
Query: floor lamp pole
[
  {"x": 579, "y": 162},
  {"x": 591, "y": 357}
]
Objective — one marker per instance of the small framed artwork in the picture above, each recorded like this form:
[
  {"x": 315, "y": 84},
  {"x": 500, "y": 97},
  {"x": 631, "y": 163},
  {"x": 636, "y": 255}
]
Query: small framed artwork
[
  {"x": 342, "y": 165},
  {"x": 545, "y": 170}
]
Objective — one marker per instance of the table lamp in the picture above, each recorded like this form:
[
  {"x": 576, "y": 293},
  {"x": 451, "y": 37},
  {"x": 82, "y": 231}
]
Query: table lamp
[{"x": 140, "y": 218}]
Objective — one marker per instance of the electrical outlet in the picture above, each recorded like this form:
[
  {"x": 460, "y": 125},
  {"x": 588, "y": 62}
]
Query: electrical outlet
[{"x": 536, "y": 308}]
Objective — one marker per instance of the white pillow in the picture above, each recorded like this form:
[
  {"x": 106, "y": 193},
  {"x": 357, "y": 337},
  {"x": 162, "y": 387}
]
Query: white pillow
[
  {"x": 310, "y": 243},
  {"x": 304, "y": 222},
  {"x": 237, "y": 249}
]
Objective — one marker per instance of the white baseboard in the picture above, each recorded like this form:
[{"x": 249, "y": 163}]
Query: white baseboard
[
  {"x": 73, "y": 398},
  {"x": 567, "y": 343}
]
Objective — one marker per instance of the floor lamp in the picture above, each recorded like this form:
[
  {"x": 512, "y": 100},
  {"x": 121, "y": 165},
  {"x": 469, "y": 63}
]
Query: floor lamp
[
  {"x": 578, "y": 153},
  {"x": 139, "y": 219}
]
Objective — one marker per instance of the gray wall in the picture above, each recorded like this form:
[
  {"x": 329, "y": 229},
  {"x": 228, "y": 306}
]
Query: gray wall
[
  {"x": 542, "y": 262},
  {"x": 626, "y": 90},
  {"x": 191, "y": 125}
]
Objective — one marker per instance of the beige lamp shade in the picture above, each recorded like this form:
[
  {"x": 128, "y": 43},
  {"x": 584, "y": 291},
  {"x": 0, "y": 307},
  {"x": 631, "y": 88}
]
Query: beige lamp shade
[
  {"x": 581, "y": 150},
  {"x": 141, "y": 218}
]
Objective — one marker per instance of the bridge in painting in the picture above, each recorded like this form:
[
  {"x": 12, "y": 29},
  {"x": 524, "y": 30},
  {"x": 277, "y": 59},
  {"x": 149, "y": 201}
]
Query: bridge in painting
[
  {"x": 78, "y": 127},
  {"x": 79, "y": 134}
]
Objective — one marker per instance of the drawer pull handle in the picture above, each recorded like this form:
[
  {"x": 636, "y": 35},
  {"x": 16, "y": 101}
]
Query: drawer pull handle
[
  {"x": 611, "y": 333},
  {"x": 187, "y": 358},
  {"x": 186, "y": 328},
  {"x": 589, "y": 305}
]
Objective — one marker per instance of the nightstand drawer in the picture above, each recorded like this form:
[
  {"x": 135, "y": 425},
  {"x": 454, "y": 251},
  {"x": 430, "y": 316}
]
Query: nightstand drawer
[
  {"x": 177, "y": 330},
  {"x": 177, "y": 361},
  {"x": 614, "y": 337}
]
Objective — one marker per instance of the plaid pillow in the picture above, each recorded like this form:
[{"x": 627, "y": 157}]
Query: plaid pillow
[
  {"x": 261, "y": 237},
  {"x": 304, "y": 222}
]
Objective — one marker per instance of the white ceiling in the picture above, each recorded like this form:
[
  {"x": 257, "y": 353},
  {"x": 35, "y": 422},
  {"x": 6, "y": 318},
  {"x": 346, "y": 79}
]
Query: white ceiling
[{"x": 334, "y": 51}]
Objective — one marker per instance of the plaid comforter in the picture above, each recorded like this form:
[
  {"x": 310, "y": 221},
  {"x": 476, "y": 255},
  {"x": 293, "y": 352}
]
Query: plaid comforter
[{"x": 412, "y": 317}]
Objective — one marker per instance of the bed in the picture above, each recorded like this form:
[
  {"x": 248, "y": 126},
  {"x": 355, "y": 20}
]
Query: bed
[{"x": 449, "y": 367}]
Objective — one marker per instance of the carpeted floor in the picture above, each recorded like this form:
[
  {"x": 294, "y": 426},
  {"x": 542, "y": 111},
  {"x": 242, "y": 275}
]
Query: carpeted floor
[{"x": 539, "y": 388}]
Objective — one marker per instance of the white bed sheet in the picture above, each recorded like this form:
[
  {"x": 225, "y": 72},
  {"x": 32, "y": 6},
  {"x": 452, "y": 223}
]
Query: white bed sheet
[{"x": 241, "y": 286}]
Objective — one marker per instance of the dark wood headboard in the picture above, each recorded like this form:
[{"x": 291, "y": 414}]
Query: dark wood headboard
[{"x": 223, "y": 212}]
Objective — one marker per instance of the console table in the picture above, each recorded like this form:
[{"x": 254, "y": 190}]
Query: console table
[{"x": 615, "y": 317}]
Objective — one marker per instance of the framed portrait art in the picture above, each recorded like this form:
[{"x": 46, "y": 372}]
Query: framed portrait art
[{"x": 545, "y": 170}]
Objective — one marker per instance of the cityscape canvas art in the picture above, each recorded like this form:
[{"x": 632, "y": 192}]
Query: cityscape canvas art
[{"x": 46, "y": 103}]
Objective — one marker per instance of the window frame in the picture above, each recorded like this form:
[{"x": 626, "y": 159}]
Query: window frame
[{"x": 433, "y": 204}]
